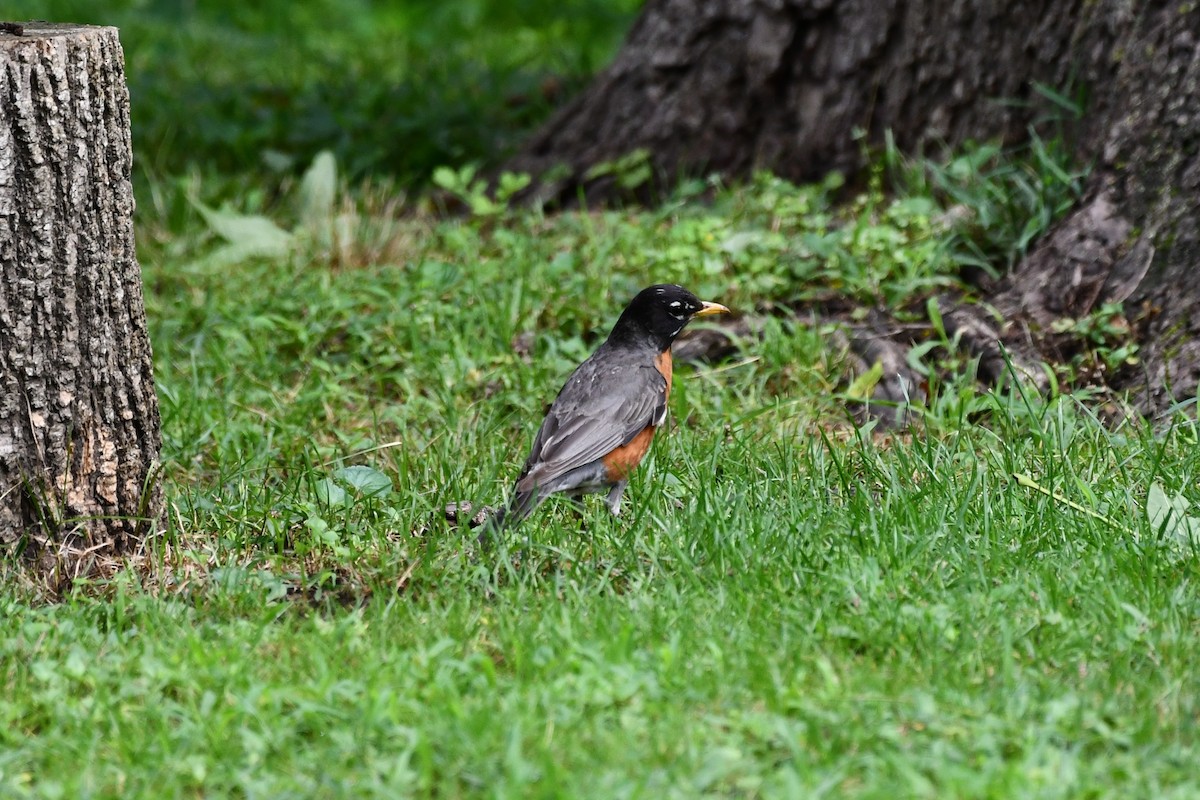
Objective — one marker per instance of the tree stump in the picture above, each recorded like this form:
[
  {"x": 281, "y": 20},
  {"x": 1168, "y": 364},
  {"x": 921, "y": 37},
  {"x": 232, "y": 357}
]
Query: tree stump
[{"x": 79, "y": 422}]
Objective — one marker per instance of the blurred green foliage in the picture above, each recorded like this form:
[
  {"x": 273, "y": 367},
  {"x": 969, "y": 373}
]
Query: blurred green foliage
[{"x": 398, "y": 87}]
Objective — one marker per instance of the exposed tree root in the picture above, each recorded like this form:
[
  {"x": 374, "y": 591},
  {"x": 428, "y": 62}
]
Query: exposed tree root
[{"x": 1003, "y": 353}]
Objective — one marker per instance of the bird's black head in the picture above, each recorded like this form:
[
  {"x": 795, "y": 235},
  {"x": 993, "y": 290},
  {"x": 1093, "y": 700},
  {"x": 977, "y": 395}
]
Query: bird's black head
[{"x": 658, "y": 313}]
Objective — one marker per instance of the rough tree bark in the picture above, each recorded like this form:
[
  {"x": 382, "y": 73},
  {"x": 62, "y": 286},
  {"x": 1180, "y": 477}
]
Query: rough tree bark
[
  {"x": 732, "y": 85},
  {"x": 79, "y": 423}
]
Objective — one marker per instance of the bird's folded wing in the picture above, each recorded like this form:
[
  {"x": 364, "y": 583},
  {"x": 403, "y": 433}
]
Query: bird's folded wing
[{"x": 589, "y": 419}]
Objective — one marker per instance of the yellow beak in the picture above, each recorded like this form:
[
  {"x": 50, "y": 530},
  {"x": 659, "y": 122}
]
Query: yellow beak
[{"x": 710, "y": 308}]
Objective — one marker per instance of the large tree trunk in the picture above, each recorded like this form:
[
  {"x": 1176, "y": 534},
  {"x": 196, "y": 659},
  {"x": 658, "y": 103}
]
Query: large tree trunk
[
  {"x": 79, "y": 424},
  {"x": 731, "y": 85}
]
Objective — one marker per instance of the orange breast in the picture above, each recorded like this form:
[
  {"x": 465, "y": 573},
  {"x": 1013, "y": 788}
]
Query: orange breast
[
  {"x": 622, "y": 461},
  {"x": 662, "y": 362}
]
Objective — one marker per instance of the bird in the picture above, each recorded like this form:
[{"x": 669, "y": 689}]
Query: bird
[{"x": 599, "y": 427}]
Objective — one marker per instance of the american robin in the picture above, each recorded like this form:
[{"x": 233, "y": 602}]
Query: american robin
[{"x": 599, "y": 427}]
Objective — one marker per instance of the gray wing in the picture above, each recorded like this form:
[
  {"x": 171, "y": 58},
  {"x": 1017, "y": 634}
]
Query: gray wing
[{"x": 595, "y": 413}]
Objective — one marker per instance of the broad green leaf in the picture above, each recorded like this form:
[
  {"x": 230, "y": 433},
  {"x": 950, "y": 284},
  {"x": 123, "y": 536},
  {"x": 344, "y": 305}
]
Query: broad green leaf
[
  {"x": 367, "y": 480},
  {"x": 318, "y": 191},
  {"x": 445, "y": 178},
  {"x": 329, "y": 493},
  {"x": 737, "y": 243},
  {"x": 249, "y": 235},
  {"x": 1168, "y": 517},
  {"x": 862, "y": 386},
  {"x": 935, "y": 317},
  {"x": 917, "y": 353}
]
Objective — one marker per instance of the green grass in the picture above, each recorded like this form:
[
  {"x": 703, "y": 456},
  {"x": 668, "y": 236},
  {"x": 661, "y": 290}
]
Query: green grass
[
  {"x": 788, "y": 608},
  {"x": 396, "y": 88}
]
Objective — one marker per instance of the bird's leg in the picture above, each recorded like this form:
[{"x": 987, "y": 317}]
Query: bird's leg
[
  {"x": 576, "y": 501},
  {"x": 614, "y": 497}
]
